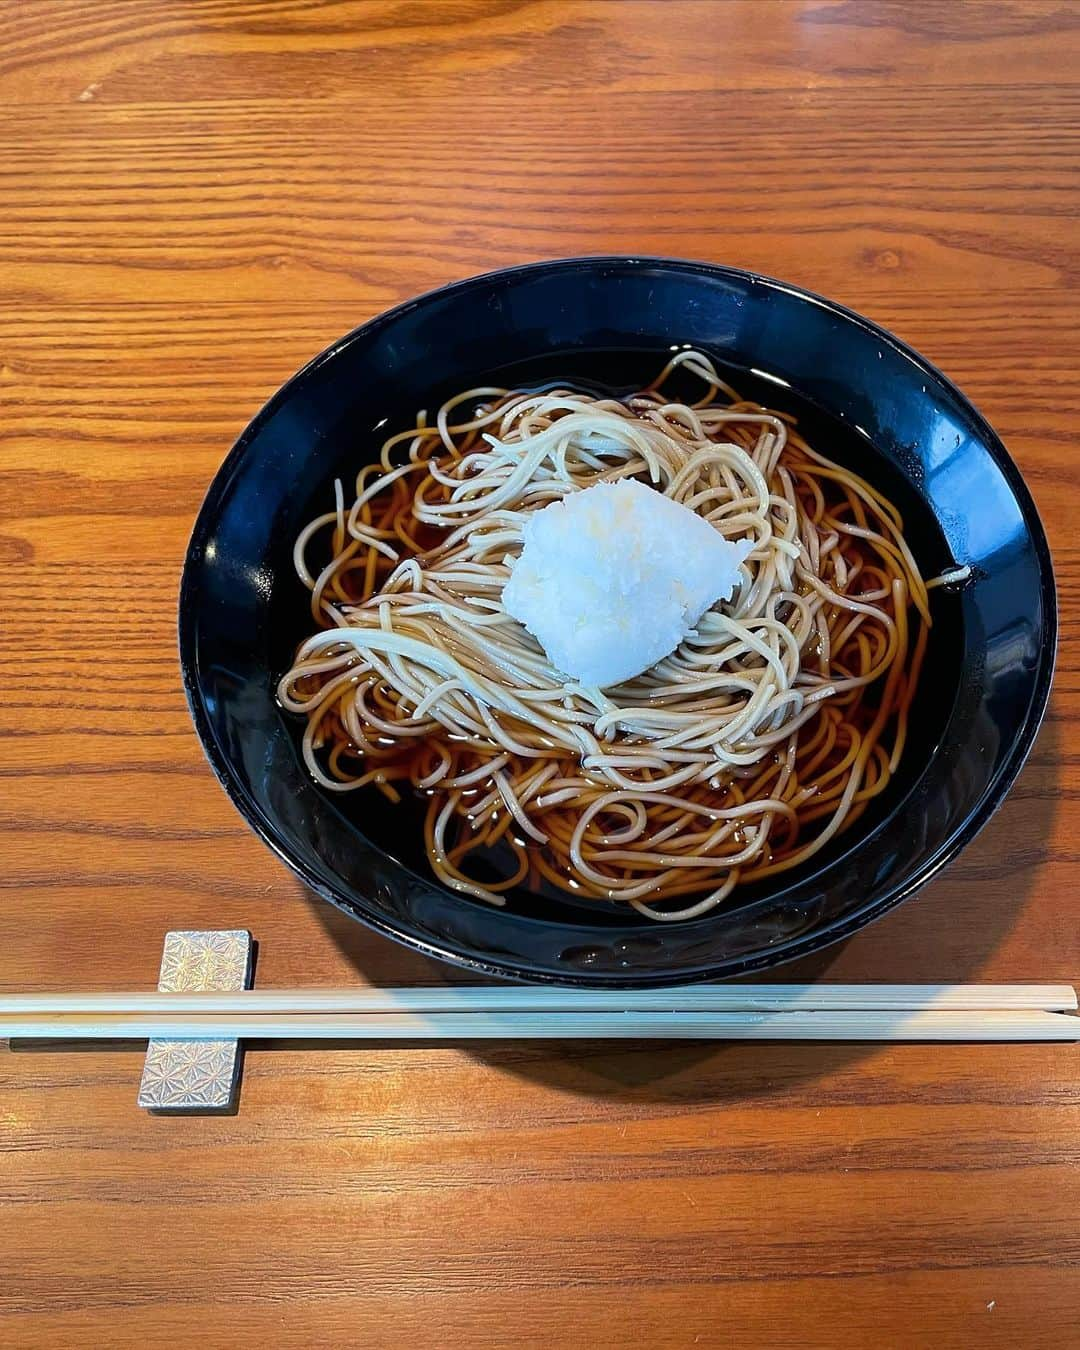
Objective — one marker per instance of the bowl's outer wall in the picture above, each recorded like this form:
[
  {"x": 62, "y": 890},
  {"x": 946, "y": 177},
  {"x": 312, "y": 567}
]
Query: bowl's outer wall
[{"x": 240, "y": 560}]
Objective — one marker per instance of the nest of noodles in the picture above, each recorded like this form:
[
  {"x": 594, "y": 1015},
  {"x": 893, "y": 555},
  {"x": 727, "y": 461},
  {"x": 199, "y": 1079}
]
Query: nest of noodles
[{"x": 739, "y": 755}]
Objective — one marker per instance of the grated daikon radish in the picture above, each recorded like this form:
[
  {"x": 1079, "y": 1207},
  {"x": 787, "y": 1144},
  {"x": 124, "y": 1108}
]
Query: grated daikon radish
[{"x": 610, "y": 580}]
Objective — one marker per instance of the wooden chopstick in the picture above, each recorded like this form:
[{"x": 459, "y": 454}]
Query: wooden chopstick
[
  {"x": 547, "y": 999},
  {"x": 801, "y": 1025}
]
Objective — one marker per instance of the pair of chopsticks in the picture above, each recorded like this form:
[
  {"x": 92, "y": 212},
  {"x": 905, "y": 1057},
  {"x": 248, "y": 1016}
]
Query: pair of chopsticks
[{"x": 838, "y": 1012}]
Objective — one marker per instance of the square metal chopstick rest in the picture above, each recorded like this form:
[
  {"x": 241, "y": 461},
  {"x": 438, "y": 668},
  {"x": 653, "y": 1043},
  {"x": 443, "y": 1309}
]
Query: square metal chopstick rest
[{"x": 197, "y": 1075}]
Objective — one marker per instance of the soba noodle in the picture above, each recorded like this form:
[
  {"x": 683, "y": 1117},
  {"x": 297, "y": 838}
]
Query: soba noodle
[{"x": 739, "y": 755}]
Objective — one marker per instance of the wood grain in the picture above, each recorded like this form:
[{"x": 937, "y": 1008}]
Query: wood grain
[{"x": 196, "y": 198}]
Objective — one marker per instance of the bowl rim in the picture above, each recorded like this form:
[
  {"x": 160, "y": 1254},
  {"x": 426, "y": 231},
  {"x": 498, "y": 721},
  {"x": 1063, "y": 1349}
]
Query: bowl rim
[{"x": 993, "y": 794}]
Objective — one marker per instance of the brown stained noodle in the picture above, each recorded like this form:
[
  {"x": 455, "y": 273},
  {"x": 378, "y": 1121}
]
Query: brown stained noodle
[{"x": 738, "y": 756}]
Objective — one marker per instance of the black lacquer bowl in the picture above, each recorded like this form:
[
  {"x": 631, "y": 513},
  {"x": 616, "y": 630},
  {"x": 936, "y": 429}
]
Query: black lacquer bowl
[{"x": 608, "y": 323}]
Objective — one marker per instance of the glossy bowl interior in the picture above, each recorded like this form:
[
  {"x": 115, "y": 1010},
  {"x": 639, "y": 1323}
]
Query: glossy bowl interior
[{"x": 607, "y": 324}]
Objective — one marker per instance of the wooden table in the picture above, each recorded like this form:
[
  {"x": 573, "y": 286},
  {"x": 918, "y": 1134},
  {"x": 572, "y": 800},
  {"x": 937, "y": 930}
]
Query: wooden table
[{"x": 196, "y": 197}]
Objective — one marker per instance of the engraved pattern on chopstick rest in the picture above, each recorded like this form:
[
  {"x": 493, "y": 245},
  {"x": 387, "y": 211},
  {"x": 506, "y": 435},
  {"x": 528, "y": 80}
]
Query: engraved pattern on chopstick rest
[
  {"x": 204, "y": 961},
  {"x": 189, "y": 1075},
  {"x": 196, "y": 1075}
]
